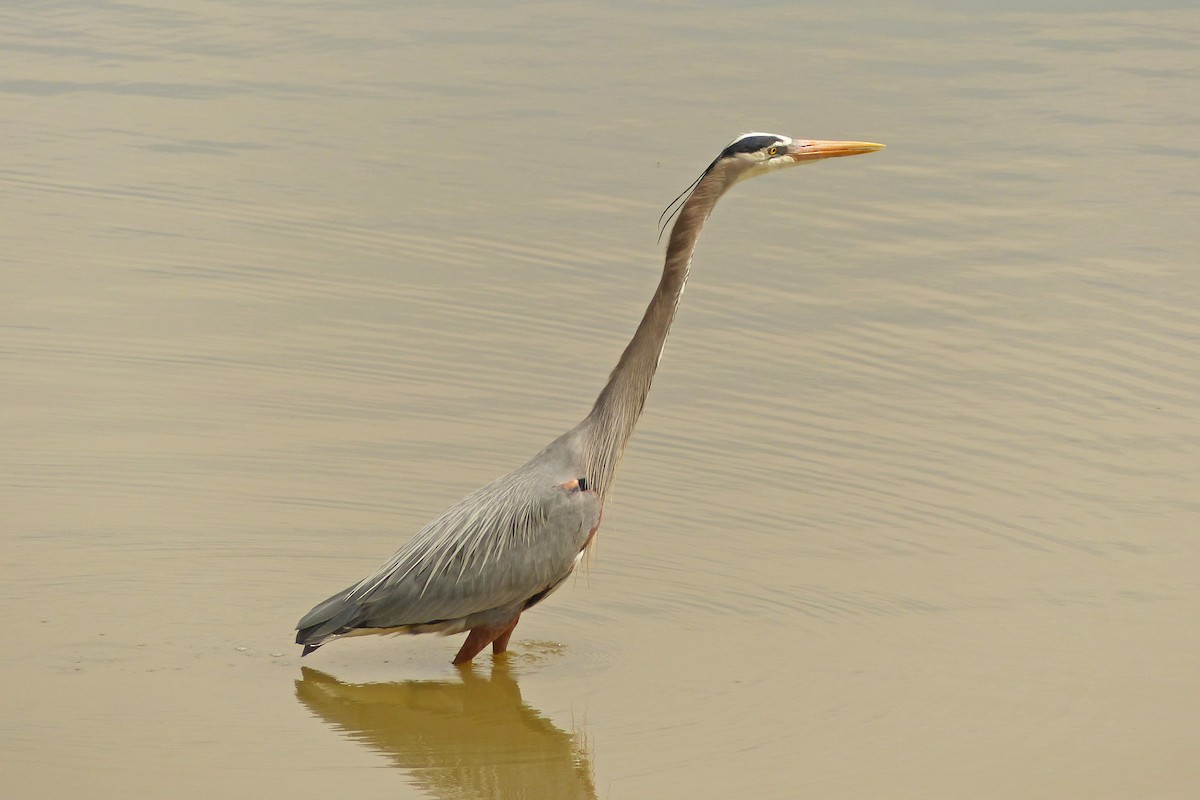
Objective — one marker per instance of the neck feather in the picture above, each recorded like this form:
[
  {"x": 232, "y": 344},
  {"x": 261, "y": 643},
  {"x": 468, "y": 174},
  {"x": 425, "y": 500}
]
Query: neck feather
[{"x": 607, "y": 429}]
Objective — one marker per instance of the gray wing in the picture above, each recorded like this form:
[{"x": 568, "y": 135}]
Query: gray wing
[{"x": 499, "y": 547}]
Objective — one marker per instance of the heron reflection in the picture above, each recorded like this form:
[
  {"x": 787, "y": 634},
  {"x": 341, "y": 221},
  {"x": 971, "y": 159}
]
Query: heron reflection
[{"x": 468, "y": 738}]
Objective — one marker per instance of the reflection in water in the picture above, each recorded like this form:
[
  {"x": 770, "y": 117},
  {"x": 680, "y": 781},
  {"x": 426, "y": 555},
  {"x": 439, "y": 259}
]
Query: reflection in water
[{"x": 462, "y": 739}]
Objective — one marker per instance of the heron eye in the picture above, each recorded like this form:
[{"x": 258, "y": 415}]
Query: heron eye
[{"x": 772, "y": 150}]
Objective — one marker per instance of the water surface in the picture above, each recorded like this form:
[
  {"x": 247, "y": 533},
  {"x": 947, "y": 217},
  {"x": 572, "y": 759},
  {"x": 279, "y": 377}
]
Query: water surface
[{"x": 913, "y": 508}]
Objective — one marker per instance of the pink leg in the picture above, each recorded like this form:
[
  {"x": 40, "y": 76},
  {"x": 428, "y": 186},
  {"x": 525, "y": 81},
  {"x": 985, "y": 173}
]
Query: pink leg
[
  {"x": 500, "y": 644},
  {"x": 481, "y": 637}
]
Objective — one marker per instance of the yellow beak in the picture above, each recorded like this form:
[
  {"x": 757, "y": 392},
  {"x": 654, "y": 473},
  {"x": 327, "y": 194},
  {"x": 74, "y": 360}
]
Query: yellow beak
[{"x": 802, "y": 150}]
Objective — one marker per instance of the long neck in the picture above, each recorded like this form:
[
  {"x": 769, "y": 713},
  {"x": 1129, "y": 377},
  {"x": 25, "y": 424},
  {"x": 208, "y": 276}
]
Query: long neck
[{"x": 610, "y": 424}]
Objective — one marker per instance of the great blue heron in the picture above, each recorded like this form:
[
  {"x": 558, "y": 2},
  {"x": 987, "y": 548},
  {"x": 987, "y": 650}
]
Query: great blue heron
[{"x": 503, "y": 548}]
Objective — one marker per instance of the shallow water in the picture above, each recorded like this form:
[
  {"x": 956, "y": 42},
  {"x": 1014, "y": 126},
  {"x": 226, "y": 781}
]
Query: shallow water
[{"x": 913, "y": 508}]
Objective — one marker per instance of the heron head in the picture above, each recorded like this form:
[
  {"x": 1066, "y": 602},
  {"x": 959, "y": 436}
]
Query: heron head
[{"x": 754, "y": 154}]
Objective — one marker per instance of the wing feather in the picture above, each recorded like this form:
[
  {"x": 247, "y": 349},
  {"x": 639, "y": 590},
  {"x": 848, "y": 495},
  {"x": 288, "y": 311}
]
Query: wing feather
[{"x": 497, "y": 547}]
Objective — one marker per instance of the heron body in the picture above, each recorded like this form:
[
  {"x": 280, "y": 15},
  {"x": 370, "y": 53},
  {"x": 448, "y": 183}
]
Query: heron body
[{"x": 505, "y": 547}]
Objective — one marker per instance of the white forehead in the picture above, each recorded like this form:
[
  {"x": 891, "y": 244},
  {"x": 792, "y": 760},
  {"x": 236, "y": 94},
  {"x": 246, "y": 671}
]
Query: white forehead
[{"x": 783, "y": 139}]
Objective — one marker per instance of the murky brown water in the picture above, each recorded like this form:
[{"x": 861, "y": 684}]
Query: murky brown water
[{"x": 914, "y": 508}]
